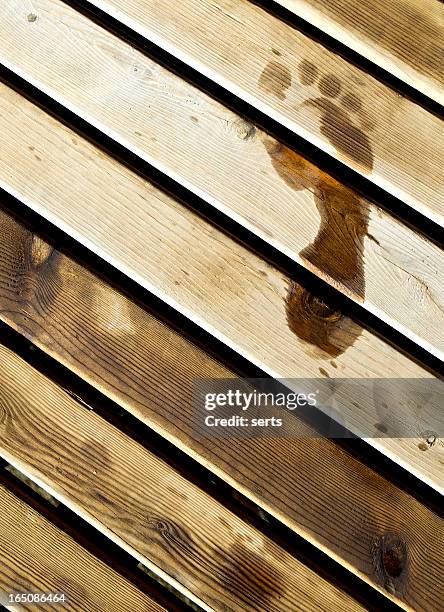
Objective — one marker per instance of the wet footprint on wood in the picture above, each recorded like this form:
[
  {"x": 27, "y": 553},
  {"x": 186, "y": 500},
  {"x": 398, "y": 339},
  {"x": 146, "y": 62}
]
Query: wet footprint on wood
[
  {"x": 340, "y": 113},
  {"x": 337, "y": 251}
]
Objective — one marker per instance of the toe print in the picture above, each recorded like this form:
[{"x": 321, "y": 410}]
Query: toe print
[
  {"x": 308, "y": 73},
  {"x": 275, "y": 79},
  {"x": 330, "y": 86},
  {"x": 343, "y": 120}
]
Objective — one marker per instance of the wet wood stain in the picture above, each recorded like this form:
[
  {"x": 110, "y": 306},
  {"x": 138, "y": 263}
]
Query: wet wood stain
[
  {"x": 275, "y": 79},
  {"x": 337, "y": 252},
  {"x": 316, "y": 323},
  {"x": 29, "y": 267},
  {"x": 340, "y": 116},
  {"x": 308, "y": 73}
]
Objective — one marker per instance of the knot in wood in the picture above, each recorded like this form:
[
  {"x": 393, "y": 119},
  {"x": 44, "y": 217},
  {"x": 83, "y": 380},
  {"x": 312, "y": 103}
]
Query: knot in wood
[{"x": 390, "y": 560}]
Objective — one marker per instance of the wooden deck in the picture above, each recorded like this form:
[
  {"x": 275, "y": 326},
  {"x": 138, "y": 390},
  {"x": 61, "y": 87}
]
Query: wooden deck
[{"x": 210, "y": 189}]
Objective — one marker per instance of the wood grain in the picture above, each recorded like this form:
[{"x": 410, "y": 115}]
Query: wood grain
[
  {"x": 148, "y": 369},
  {"x": 405, "y": 37},
  {"x": 230, "y": 292},
  {"x": 309, "y": 89},
  {"x": 37, "y": 557},
  {"x": 343, "y": 238},
  {"x": 141, "y": 503}
]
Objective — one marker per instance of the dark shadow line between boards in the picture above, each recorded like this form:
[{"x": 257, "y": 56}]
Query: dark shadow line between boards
[
  {"x": 176, "y": 319},
  {"x": 360, "y": 449},
  {"x": 183, "y": 325},
  {"x": 326, "y": 162},
  {"x": 333, "y": 44},
  {"x": 92, "y": 540},
  {"x": 400, "y": 477},
  {"x": 317, "y": 286},
  {"x": 197, "y": 474}
]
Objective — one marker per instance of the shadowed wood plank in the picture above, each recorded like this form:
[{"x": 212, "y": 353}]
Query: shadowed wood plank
[
  {"x": 309, "y": 89},
  {"x": 37, "y": 557},
  {"x": 273, "y": 191},
  {"x": 405, "y": 37},
  {"x": 148, "y": 369},
  {"x": 220, "y": 285},
  {"x": 137, "y": 500}
]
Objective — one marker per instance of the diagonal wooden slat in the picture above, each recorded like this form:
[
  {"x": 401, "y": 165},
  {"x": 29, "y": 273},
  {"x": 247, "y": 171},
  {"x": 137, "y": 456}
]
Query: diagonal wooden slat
[
  {"x": 345, "y": 239},
  {"x": 38, "y": 557},
  {"x": 405, "y": 37},
  {"x": 230, "y": 292},
  {"x": 314, "y": 92},
  {"x": 148, "y": 369},
  {"x": 162, "y": 519}
]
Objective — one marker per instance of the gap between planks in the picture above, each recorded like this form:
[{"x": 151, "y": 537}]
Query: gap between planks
[
  {"x": 405, "y": 37},
  {"x": 261, "y": 184},
  {"x": 36, "y": 556},
  {"x": 148, "y": 369},
  {"x": 167, "y": 523},
  {"x": 307, "y": 88},
  {"x": 218, "y": 284}
]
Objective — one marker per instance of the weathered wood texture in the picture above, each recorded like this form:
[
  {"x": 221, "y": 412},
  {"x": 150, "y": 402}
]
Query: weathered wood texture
[
  {"x": 37, "y": 557},
  {"x": 273, "y": 191},
  {"x": 309, "y": 89},
  {"x": 232, "y": 293},
  {"x": 140, "y": 502},
  {"x": 405, "y": 37},
  {"x": 148, "y": 369}
]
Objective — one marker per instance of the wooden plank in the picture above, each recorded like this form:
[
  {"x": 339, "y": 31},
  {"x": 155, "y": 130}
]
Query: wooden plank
[
  {"x": 258, "y": 182},
  {"x": 38, "y": 557},
  {"x": 195, "y": 268},
  {"x": 145, "y": 506},
  {"x": 309, "y": 89},
  {"x": 403, "y": 37},
  {"x": 148, "y": 369}
]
